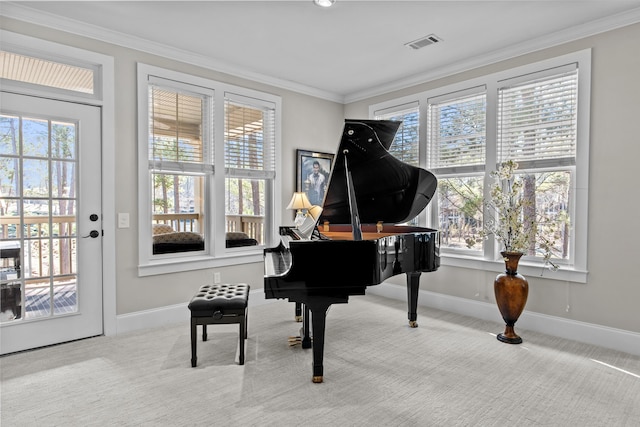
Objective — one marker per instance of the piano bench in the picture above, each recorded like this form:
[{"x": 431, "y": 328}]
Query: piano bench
[{"x": 219, "y": 304}]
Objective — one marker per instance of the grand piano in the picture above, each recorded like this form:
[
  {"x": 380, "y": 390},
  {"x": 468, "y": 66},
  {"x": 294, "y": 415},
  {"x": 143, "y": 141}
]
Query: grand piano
[{"x": 356, "y": 241}]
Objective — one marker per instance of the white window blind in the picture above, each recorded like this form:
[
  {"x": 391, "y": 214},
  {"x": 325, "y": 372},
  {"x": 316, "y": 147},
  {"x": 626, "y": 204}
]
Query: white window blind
[
  {"x": 406, "y": 144},
  {"x": 249, "y": 138},
  {"x": 177, "y": 121},
  {"x": 457, "y": 133},
  {"x": 537, "y": 120}
]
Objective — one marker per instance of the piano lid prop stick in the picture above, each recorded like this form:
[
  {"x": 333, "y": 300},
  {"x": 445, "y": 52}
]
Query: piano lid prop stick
[{"x": 353, "y": 205}]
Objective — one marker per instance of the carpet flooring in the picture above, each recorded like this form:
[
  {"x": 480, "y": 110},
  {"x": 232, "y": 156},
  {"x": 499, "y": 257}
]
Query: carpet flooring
[{"x": 450, "y": 371}]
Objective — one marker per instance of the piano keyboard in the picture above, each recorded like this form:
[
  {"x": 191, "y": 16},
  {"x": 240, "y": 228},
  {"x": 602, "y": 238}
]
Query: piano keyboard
[{"x": 276, "y": 263}]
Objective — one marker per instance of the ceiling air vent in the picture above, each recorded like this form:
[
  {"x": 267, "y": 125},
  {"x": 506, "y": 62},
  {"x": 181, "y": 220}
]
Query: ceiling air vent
[{"x": 424, "y": 41}]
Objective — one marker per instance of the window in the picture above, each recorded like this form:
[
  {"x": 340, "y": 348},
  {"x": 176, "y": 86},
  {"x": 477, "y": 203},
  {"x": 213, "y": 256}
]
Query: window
[
  {"x": 55, "y": 75},
  {"x": 456, "y": 154},
  {"x": 536, "y": 115},
  {"x": 249, "y": 163},
  {"x": 537, "y": 128},
  {"x": 180, "y": 165},
  {"x": 201, "y": 143}
]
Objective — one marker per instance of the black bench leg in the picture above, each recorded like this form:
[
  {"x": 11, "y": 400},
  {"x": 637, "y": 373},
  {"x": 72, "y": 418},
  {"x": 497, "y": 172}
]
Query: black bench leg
[
  {"x": 204, "y": 332},
  {"x": 246, "y": 323},
  {"x": 194, "y": 340},
  {"x": 242, "y": 335}
]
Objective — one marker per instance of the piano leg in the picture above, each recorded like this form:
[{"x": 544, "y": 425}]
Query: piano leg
[
  {"x": 413, "y": 285},
  {"x": 318, "y": 319},
  {"x": 305, "y": 336},
  {"x": 305, "y": 333},
  {"x": 298, "y": 312},
  {"x": 319, "y": 308}
]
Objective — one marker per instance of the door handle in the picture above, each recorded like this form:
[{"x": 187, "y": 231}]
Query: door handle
[{"x": 93, "y": 234}]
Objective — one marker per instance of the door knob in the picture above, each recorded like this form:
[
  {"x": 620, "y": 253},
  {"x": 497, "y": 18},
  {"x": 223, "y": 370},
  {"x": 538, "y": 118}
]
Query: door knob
[{"x": 93, "y": 234}]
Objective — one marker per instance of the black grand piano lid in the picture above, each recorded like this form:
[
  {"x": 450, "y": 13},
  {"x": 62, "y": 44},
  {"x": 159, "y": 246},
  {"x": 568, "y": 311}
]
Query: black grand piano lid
[{"x": 386, "y": 188}]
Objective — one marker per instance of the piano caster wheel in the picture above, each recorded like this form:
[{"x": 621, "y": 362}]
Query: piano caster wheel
[
  {"x": 298, "y": 318},
  {"x": 413, "y": 324},
  {"x": 294, "y": 341},
  {"x": 317, "y": 379}
]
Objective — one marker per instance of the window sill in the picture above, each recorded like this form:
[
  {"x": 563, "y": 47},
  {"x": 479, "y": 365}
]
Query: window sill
[
  {"x": 199, "y": 262},
  {"x": 527, "y": 269}
]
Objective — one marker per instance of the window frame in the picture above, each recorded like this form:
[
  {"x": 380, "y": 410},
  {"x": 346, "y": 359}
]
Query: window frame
[
  {"x": 35, "y": 89},
  {"x": 575, "y": 270},
  {"x": 215, "y": 253}
]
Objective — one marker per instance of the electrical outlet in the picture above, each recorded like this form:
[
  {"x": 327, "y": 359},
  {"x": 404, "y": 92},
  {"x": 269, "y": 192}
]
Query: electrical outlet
[{"x": 216, "y": 277}]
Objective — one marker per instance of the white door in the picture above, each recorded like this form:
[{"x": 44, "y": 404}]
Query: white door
[{"x": 50, "y": 222}]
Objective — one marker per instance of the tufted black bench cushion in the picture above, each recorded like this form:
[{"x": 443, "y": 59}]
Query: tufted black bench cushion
[{"x": 219, "y": 304}]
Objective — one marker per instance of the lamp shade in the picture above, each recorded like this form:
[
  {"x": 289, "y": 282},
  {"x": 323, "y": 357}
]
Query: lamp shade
[{"x": 299, "y": 201}]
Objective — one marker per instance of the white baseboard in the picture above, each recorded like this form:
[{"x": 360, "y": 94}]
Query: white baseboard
[
  {"x": 617, "y": 339},
  {"x": 170, "y": 314},
  {"x": 589, "y": 333}
]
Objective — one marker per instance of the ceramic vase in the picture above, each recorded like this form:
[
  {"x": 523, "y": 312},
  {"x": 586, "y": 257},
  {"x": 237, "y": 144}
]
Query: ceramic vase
[{"x": 511, "y": 291}]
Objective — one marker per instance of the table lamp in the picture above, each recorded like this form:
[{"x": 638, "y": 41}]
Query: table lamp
[{"x": 299, "y": 201}]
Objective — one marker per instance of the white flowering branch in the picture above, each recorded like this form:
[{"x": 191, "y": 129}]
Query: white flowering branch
[{"x": 515, "y": 228}]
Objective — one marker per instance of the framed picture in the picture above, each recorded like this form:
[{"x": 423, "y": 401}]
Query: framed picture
[{"x": 312, "y": 174}]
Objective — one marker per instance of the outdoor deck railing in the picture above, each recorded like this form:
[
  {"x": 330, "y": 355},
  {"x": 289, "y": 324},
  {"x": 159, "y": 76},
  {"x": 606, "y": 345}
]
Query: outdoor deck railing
[
  {"x": 38, "y": 231},
  {"x": 178, "y": 221},
  {"x": 252, "y": 225}
]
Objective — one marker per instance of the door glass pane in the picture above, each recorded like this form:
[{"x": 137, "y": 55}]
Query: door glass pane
[
  {"x": 35, "y": 178},
  {"x": 11, "y": 288},
  {"x": 36, "y": 258},
  {"x": 63, "y": 139},
  {"x": 38, "y": 217},
  {"x": 61, "y": 186},
  {"x": 62, "y": 261},
  {"x": 38, "y": 299},
  {"x": 35, "y": 134},
  {"x": 65, "y": 295},
  {"x": 10, "y": 220},
  {"x": 8, "y": 130}
]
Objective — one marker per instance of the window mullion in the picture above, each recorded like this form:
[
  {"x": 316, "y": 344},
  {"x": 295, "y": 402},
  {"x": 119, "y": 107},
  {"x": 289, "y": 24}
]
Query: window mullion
[{"x": 490, "y": 249}]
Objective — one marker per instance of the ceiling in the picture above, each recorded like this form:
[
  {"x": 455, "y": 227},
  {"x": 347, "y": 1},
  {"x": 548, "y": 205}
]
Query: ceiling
[{"x": 352, "y": 50}]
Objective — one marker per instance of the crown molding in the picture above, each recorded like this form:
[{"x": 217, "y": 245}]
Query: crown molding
[
  {"x": 26, "y": 14},
  {"x": 554, "y": 39}
]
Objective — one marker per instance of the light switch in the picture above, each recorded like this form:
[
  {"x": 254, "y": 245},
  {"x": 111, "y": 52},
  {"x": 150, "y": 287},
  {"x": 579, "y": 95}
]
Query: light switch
[{"x": 123, "y": 220}]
